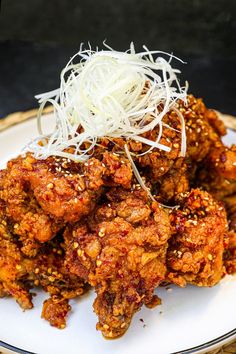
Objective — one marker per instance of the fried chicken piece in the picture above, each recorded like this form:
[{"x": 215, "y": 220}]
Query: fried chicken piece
[
  {"x": 120, "y": 251},
  {"x": 48, "y": 271},
  {"x": 169, "y": 189},
  {"x": 173, "y": 174},
  {"x": 168, "y": 172},
  {"x": 118, "y": 170},
  {"x": 65, "y": 193},
  {"x": 195, "y": 252},
  {"x": 64, "y": 189},
  {"x": 230, "y": 247},
  {"x": 71, "y": 194},
  {"x": 218, "y": 174},
  {"x": 24, "y": 215},
  {"x": 230, "y": 252},
  {"x": 18, "y": 273},
  {"x": 11, "y": 270},
  {"x": 55, "y": 311},
  {"x": 42, "y": 195}
]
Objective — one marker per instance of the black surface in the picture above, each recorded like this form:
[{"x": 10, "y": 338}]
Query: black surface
[
  {"x": 37, "y": 37},
  {"x": 201, "y": 27},
  {"x": 27, "y": 69}
]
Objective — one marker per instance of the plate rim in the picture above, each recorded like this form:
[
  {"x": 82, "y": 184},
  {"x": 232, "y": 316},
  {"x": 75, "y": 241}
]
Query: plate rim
[
  {"x": 227, "y": 337},
  {"x": 207, "y": 345}
]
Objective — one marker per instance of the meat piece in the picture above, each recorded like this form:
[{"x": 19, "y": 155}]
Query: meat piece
[
  {"x": 218, "y": 173},
  {"x": 118, "y": 170},
  {"x": 26, "y": 218},
  {"x": 121, "y": 252},
  {"x": 230, "y": 253},
  {"x": 230, "y": 204},
  {"x": 230, "y": 247},
  {"x": 48, "y": 271},
  {"x": 168, "y": 173},
  {"x": 55, "y": 311},
  {"x": 175, "y": 181},
  {"x": 18, "y": 273},
  {"x": 11, "y": 269},
  {"x": 195, "y": 252},
  {"x": 42, "y": 195},
  {"x": 64, "y": 190}
]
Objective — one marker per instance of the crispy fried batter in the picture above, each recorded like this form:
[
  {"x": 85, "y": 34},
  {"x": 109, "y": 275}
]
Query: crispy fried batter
[
  {"x": 64, "y": 225},
  {"x": 18, "y": 273},
  {"x": 218, "y": 172},
  {"x": 26, "y": 218},
  {"x": 55, "y": 311},
  {"x": 12, "y": 269},
  {"x": 230, "y": 242},
  {"x": 121, "y": 252},
  {"x": 195, "y": 252},
  {"x": 169, "y": 173}
]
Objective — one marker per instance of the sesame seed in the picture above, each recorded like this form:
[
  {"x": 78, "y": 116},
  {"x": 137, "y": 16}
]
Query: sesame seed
[
  {"x": 75, "y": 244},
  {"x": 101, "y": 232},
  {"x": 50, "y": 185},
  {"x": 210, "y": 257}
]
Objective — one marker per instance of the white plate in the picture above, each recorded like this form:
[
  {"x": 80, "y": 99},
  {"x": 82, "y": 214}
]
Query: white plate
[{"x": 190, "y": 320}]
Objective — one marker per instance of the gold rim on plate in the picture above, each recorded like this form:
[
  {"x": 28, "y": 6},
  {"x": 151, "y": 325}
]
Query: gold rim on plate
[{"x": 19, "y": 117}]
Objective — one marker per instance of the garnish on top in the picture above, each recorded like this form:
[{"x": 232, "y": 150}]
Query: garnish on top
[{"x": 110, "y": 94}]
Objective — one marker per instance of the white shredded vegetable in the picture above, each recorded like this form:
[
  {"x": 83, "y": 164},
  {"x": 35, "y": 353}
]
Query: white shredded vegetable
[
  {"x": 137, "y": 174},
  {"x": 110, "y": 94}
]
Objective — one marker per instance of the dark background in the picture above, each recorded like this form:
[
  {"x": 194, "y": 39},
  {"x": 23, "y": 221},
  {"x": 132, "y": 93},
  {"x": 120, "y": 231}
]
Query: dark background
[{"x": 37, "y": 37}]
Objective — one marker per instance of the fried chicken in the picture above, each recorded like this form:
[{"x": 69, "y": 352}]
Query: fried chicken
[
  {"x": 24, "y": 215},
  {"x": 230, "y": 247},
  {"x": 12, "y": 270},
  {"x": 18, "y": 274},
  {"x": 55, "y": 311},
  {"x": 66, "y": 226},
  {"x": 218, "y": 172},
  {"x": 121, "y": 252},
  {"x": 42, "y": 195},
  {"x": 195, "y": 252},
  {"x": 50, "y": 273},
  {"x": 168, "y": 172}
]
